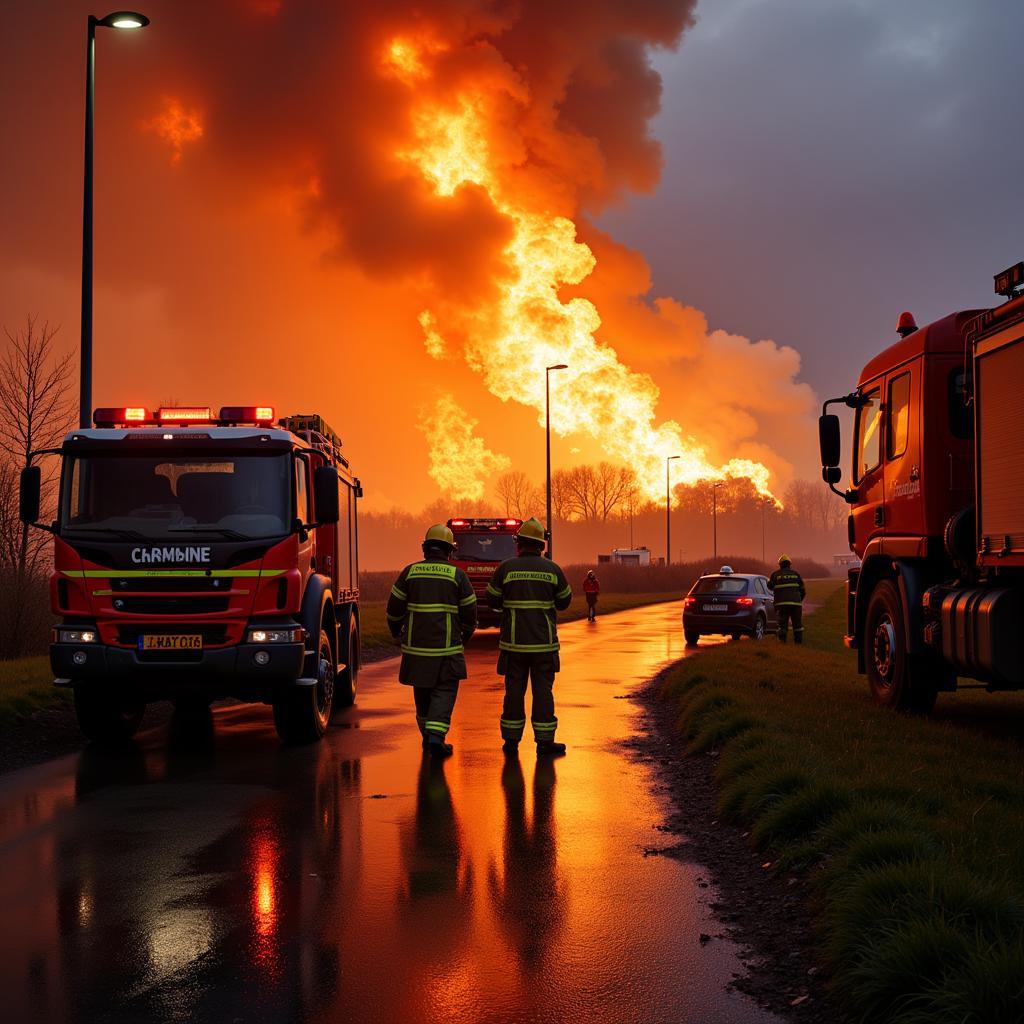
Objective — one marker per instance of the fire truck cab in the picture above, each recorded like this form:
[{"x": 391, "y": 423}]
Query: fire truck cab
[
  {"x": 481, "y": 545},
  {"x": 198, "y": 557},
  {"x": 937, "y": 505}
]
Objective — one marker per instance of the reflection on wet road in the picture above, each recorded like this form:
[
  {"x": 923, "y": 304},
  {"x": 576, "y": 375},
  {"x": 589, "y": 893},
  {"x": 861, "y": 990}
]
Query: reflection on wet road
[{"x": 211, "y": 874}]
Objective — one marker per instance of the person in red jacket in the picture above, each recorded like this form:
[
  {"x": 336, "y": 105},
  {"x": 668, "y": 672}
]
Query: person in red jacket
[{"x": 591, "y": 587}]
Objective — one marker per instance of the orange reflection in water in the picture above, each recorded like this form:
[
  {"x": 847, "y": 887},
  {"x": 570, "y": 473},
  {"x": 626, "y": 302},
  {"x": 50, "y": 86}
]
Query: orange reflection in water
[{"x": 265, "y": 858}]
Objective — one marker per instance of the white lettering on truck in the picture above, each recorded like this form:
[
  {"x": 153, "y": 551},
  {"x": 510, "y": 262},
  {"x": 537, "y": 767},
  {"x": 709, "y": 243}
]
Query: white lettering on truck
[{"x": 148, "y": 556}]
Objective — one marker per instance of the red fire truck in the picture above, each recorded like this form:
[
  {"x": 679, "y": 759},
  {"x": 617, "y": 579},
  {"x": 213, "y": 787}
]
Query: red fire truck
[
  {"x": 198, "y": 557},
  {"x": 937, "y": 505},
  {"x": 481, "y": 545}
]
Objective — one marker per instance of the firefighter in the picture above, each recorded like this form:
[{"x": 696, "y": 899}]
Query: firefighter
[
  {"x": 591, "y": 588},
  {"x": 527, "y": 590},
  {"x": 789, "y": 590},
  {"x": 432, "y": 609}
]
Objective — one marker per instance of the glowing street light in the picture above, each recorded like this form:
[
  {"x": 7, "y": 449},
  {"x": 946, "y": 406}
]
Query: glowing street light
[
  {"x": 119, "y": 20},
  {"x": 547, "y": 412},
  {"x": 668, "y": 511}
]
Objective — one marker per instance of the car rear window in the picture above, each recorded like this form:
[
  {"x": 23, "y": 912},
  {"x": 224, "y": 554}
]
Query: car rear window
[{"x": 721, "y": 585}]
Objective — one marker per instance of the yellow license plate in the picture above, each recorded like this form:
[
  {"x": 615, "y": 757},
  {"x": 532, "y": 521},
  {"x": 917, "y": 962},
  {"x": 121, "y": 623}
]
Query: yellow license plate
[{"x": 170, "y": 642}]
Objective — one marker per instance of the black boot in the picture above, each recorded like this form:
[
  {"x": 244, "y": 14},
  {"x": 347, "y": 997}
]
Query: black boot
[
  {"x": 510, "y": 746},
  {"x": 547, "y": 748},
  {"x": 437, "y": 747}
]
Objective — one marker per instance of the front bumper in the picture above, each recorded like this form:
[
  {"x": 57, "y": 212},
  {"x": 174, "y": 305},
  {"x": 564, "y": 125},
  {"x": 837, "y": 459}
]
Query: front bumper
[{"x": 221, "y": 671}]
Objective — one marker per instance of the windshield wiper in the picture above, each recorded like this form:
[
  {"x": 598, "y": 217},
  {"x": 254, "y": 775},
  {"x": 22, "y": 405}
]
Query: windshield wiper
[
  {"x": 223, "y": 531},
  {"x": 116, "y": 531}
]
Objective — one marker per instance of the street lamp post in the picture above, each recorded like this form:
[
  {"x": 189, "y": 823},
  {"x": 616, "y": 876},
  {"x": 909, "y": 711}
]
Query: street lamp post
[
  {"x": 547, "y": 415},
  {"x": 118, "y": 19},
  {"x": 714, "y": 519},
  {"x": 668, "y": 511}
]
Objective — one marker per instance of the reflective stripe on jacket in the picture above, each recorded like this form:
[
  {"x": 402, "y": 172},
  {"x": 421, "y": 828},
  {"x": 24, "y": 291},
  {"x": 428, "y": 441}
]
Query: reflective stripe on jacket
[
  {"x": 528, "y": 590},
  {"x": 787, "y": 586},
  {"x": 432, "y": 607}
]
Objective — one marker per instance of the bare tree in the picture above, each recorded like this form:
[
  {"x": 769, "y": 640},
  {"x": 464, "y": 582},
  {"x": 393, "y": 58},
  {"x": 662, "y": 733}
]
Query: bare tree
[
  {"x": 35, "y": 381},
  {"x": 615, "y": 486},
  {"x": 561, "y": 499},
  {"x": 799, "y": 502},
  {"x": 518, "y": 495}
]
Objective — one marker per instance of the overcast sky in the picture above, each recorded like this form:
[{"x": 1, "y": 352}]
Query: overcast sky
[{"x": 829, "y": 163}]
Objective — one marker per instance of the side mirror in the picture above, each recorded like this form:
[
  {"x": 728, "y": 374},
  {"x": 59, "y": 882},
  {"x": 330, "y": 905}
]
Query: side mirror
[
  {"x": 829, "y": 441},
  {"x": 831, "y": 474},
  {"x": 30, "y": 495},
  {"x": 325, "y": 495}
]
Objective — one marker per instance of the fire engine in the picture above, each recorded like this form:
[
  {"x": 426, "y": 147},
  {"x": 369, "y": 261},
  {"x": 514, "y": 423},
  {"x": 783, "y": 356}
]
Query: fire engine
[
  {"x": 198, "y": 557},
  {"x": 937, "y": 504},
  {"x": 481, "y": 545}
]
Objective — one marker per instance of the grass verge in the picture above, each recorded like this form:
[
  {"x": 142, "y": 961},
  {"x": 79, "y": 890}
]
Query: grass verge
[
  {"x": 26, "y": 685},
  {"x": 910, "y": 830}
]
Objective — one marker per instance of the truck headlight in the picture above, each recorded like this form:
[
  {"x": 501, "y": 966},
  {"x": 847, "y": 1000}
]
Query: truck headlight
[
  {"x": 75, "y": 636},
  {"x": 290, "y": 635}
]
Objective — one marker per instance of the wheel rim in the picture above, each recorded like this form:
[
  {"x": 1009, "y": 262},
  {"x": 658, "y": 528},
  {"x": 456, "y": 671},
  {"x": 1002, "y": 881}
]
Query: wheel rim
[
  {"x": 324, "y": 682},
  {"x": 885, "y": 651},
  {"x": 759, "y": 629}
]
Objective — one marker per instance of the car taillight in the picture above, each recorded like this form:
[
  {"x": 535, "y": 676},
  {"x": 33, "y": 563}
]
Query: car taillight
[
  {"x": 746, "y": 602},
  {"x": 688, "y": 601}
]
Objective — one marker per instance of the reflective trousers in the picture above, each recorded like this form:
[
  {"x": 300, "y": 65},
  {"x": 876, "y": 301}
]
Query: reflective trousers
[
  {"x": 538, "y": 672},
  {"x": 791, "y": 613},
  {"x": 435, "y": 704}
]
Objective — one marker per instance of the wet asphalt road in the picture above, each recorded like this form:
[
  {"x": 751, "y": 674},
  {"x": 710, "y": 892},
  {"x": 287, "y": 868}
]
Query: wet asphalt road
[{"x": 212, "y": 875}]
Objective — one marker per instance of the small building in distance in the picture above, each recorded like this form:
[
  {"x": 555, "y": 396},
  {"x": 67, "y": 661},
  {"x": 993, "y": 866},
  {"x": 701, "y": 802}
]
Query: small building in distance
[{"x": 626, "y": 556}]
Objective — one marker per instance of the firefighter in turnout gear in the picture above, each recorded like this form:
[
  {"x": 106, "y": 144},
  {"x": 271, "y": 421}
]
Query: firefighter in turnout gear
[
  {"x": 789, "y": 590},
  {"x": 527, "y": 590},
  {"x": 432, "y": 609}
]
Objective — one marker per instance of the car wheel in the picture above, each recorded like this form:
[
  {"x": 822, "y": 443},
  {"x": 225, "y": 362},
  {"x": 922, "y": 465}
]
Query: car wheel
[
  {"x": 691, "y": 637},
  {"x": 760, "y": 626},
  {"x": 897, "y": 679},
  {"x": 301, "y": 713}
]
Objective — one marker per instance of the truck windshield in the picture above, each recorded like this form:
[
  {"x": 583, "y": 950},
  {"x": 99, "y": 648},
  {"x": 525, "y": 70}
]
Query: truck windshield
[
  {"x": 244, "y": 497},
  {"x": 484, "y": 547}
]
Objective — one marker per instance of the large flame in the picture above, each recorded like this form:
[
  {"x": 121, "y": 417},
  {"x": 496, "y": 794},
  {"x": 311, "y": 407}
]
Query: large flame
[{"x": 530, "y": 327}]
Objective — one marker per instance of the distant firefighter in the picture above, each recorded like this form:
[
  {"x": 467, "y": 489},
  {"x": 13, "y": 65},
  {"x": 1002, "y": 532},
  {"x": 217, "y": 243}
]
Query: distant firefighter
[
  {"x": 432, "y": 609},
  {"x": 788, "y": 587},
  {"x": 528, "y": 590},
  {"x": 591, "y": 588}
]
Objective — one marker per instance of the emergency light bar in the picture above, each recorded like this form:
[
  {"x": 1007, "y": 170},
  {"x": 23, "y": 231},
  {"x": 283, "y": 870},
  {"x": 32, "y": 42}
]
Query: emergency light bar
[
  {"x": 185, "y": 414},
  {"x": 247, "y": 414},
  {"x": 482, "y": 524},
  {"x": 115, "y": 417}
]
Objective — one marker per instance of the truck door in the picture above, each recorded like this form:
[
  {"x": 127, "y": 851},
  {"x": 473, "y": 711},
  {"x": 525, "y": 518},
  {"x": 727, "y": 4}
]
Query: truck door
[
  {"x": 903, "y": 453},
  {"x": 304, "y": 513},
  {"x": 869, "y": 510}
]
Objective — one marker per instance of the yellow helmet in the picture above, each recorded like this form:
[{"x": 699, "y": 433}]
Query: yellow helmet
[
  {"x": 440, "y": 534},
  {"x": 532, "y": 530},
  {"x": 785, "y": 560}
]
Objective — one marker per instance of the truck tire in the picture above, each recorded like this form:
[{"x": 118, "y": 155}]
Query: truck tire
[
  {"x": 897, "y": 679},
  {"x": 104, "y": 718},
  {"x": 691, "y": 637},
  {"x": 301, "y": 713},
  {"x": 345, "y": 685}
]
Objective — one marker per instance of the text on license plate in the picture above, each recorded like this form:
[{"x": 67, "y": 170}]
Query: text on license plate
[
  {"x": 170, "y": 642},
  {"x": 714, "y": 607}
]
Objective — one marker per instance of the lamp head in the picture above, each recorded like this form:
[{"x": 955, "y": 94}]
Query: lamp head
[{"x": 123, "y": 19}]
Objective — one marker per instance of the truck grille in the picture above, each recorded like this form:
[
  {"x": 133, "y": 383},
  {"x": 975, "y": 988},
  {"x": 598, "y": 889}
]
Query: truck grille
[
  {"x": 186, "y": 585},
  {"x": 171, "y": 605}
]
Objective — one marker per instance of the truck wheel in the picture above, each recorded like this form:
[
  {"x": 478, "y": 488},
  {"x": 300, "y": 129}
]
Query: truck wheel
[
  {"x": 105, "y": 719},
  {"x": 345, "y": 687},
  {"x": 301, "y": 713},
  {"x": 897, "y": 679},
  {"x": 760, "y": 625},
  {"x": 691, "y": 637}
]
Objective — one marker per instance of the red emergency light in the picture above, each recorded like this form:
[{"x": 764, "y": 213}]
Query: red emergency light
[
  {"x": 247, "y": 414},
  {"x": 459, "y": 522},
  {"x": 108, "y": 417},
  {"x": 185, "y": 414}
]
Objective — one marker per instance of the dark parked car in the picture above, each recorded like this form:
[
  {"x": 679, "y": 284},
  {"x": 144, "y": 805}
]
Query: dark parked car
[{"x": 728, "y": 602}]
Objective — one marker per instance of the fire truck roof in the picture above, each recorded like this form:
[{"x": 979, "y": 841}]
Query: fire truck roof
[
  {"x": 203, "y": 430},
  {"x": 945, "y": 335}
]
